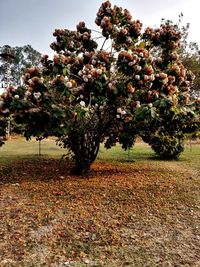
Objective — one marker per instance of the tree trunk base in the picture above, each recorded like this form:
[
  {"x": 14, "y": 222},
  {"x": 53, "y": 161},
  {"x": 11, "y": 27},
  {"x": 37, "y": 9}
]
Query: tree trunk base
[{"x": 81, "y": 169}]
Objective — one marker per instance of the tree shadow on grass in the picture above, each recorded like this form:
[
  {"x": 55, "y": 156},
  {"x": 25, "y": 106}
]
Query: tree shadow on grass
[
  {"x": 48, "y": 169},
  {"x": 163, "y": 159},
  {"x": 43, "y": 169}
]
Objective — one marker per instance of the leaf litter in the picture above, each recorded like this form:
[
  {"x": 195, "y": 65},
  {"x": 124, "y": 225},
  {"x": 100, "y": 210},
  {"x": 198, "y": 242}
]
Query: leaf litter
[{"x": 129, "y": 214}]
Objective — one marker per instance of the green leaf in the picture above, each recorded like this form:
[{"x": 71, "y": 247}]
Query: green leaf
[
  {"x": 65, "y": 71},
  {"x": 153, "y": 113},
  {"x": 141, "y": 45},
  {"x": 55, "y": 69}
]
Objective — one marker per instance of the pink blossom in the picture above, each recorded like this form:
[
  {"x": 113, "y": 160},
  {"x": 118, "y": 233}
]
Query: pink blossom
[
  {"x": 37, "y": 95},
  {"x": 119, "y": 110},
  {"x": 69, "y": 84},
  {"x": 82, "y": 103},
  {"x": 99, "y": 71},
  {"x": 16, "y": 96}
]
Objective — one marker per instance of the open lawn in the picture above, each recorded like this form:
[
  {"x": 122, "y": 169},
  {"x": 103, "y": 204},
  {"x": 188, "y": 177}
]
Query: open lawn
[{"x": 132, "y": 209}]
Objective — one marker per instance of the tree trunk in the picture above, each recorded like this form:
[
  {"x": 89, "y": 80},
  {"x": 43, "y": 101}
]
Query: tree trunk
[{"x": 85, "y": 147}]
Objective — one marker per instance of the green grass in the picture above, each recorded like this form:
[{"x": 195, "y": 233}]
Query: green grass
[
  {"x": 142, "y": 152},
  {"x": 20, "y": 149}
]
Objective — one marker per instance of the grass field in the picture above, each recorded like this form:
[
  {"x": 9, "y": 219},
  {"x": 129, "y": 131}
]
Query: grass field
[
  {"x": 19, "y": 148},
  {"x": 132, "y": 209}
]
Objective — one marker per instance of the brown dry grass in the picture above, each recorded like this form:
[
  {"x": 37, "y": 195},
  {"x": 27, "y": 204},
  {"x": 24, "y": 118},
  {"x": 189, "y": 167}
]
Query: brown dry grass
[{"x": 121, "y": 214}]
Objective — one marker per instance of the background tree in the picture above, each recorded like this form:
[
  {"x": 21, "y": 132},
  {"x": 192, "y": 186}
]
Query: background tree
[
  {"x": 25, "y": 57},
  {"x": 190, "y": 55}
]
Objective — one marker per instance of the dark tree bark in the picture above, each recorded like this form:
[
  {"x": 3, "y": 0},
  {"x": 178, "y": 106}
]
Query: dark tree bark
[{"x": 85, "y": 147}]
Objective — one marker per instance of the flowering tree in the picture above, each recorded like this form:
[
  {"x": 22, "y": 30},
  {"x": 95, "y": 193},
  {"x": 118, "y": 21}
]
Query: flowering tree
[
  {"x": 178, "y": 115},
  {"x": 86, "y": 96}
]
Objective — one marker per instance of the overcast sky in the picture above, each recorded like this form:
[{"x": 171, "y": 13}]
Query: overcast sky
[{"x": 33, "y": 21}]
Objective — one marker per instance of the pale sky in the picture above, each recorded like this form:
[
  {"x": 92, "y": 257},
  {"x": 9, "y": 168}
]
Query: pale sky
[{"x": 33, "y": 21}]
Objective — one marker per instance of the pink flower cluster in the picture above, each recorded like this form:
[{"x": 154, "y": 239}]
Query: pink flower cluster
[
  {"x": 89, "y": 72},
  {"x": 117, "y": 24},
  {"x": 138, "y": 65},
  {"x": 167, "y": 36}
]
